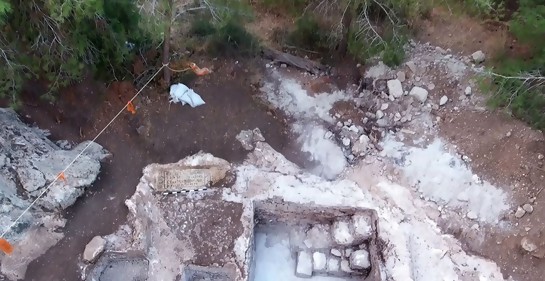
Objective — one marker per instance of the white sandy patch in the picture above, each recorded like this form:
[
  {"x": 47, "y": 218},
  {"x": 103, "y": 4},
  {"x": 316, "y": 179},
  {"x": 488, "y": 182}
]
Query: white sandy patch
[
  {"x": 310, "y": 111},
  {"x": 417, "y": 249},
  {"x": 288, "y": 95},
  {"x": 444, "y": 178},
  {"x": 275, "y": 261},
  {"x": 325, "y": 152}
]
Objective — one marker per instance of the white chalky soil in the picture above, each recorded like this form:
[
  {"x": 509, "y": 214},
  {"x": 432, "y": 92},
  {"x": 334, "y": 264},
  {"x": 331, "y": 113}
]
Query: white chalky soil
[{"x": 274, "y": 260}]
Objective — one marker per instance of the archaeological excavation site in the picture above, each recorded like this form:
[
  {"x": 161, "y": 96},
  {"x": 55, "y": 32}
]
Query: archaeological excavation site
[
  {"x": 206, "y": 219},
  {"x": 272, "y": 140}
]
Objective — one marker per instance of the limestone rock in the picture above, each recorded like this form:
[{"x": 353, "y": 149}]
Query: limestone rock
[
  {"x": 336, "y": 252},
  {"x": 360, "y": 260},
  {"x": 419, "y": 93},
  {"x": 443, "y": 100},
  {"x": 341, "y": 233},
  {"x": 94, "y": 249},
  {"x": 395, "y": 88},
  {"x": 345, "y": 267},
  {"x": 333, "y": 265},
  {"x": 401, "y": 76},
  {"x": 362, "y": 227},
  {"x": 318, "y": 237},
  {"x": 520, "y": 212},
  {"x": 528, "y": 208},
  {"x": 304, "y": 265},
  {"x": 478, "y": 57},
  {"x": 30, "y": 178},
  {"x": 319, "y": 262},
  {"x": 528, "y": 245},
  {"x": 248, "y": 138}
]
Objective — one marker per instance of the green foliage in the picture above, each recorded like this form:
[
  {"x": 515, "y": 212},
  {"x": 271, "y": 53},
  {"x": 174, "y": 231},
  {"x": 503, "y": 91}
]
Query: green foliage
[
  {"x": 308, "y": 34},
  {"x": 293, "y": 7},
  {"x": 232, "y": 39},
  {"x": 202, "y": 27},
  {"x": 491, "y": 9},
  {"x": 528, "y": 23},
  {"x": 393, "y": 54},
  {"x": 5, "y": 9},
  {"x": 57, "y": 40},
  {"x": 523, "y": 94}
]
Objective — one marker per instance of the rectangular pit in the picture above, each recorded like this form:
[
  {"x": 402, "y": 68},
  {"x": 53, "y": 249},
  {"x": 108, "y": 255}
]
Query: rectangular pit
[{"x": 323, "y": 238}]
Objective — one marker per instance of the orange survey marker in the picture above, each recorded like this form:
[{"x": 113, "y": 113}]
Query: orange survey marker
[
  {"x": 199, "y": 71},
  {"x": 131, "y": 108},
  {"x": 5, "y": 246},
  {"x": 61, "y": 176}
]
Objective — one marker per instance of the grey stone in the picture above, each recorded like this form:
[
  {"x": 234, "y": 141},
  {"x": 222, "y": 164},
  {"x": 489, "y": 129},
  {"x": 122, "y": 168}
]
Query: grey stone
[
  {"x": 94, "y": 249},
  {"x": 384, "y": 106},
  {"x": 362, "y": 227},
  {"x": 304, "y": 265},
  {"x": 361, "y": 146},
  {"x": 395, "y": 88},
  {"x": 345, "y": 267},
  {"x": 360, "y": 260},
  {"x": 478, "y": 57},
  {"x": 248, "y": 138},
  {"x": 412, "y": 66},
  {"x": 346, "y": 141},
  {"x": 519, "y": 213},
  {"x": 333, "y": 265},
  {"x": 467, "y": 91},
  {"x": 348, "y": 252},
  {"x": 319, "y": 261},
  {"x": 379, "y": 114},
  {"x": 318, "y": 237},
  {"x": 528, "y": 208},
  {"x": 401, "y": 76},
  {"x": 30, "y": 178},
  {"x": 341, "y": 232},
  {"x": 443, "y": 100},
  {"x": 540, "y": 156},
  {"x": 419, "y": 93},
  {"x": 336, "y": 252},
  {"x": 528, "y": 245},
  {"x": 471, "y": 215}
]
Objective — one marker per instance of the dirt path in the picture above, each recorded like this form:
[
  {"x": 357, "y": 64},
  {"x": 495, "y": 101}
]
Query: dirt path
[{"x": 167, "y": 134}]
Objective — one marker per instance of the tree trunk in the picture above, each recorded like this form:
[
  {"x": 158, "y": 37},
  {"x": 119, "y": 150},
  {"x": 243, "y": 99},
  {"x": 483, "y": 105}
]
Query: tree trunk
[
  {"x": 347, "y": 22},
  {"x": 166, "y": 42}
]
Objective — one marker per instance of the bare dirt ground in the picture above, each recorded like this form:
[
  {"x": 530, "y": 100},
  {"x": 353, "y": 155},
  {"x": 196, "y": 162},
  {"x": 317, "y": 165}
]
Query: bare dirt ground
[{"x": 167, "y": 134}]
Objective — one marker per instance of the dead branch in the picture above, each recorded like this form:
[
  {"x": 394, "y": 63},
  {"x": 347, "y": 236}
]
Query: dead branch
[{"x": 301, "y": 63}]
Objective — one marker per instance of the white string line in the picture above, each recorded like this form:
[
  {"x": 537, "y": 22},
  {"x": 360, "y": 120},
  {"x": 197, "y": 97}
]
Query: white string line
[{"x": 79, "y": 155}]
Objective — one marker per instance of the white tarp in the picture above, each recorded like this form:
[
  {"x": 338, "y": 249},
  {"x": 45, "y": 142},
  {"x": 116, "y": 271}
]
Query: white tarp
[{"x": 181, "y": 93}]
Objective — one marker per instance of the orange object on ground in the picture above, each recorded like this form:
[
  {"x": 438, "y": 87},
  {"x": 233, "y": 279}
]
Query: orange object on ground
[
  {"x": 61, "y": 176},
  {"x": 199, "y": 71},
  {"x": 5, "y": 246},
  {"x": 131, "y": 108}
]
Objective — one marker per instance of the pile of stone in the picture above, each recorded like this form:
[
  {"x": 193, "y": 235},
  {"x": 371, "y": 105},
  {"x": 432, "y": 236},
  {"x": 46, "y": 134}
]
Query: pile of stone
[{"x": 338, "y": 249}]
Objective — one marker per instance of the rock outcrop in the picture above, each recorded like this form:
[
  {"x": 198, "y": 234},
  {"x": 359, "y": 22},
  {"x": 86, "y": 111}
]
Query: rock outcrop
[{"x": 29, "y": 163}]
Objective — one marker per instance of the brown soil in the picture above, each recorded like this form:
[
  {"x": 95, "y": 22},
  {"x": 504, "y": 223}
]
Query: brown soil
[
  {"x": 461, "y": 33},
  {"x": 168, "y": 133}
]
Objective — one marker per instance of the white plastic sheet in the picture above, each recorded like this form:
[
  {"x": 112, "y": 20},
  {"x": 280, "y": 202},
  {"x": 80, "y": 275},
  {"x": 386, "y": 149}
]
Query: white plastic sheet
[{"x": 183, "y": 94}]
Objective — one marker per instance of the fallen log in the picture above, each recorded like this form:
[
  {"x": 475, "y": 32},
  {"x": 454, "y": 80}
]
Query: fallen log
[{"x": 295, "y": 61}]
